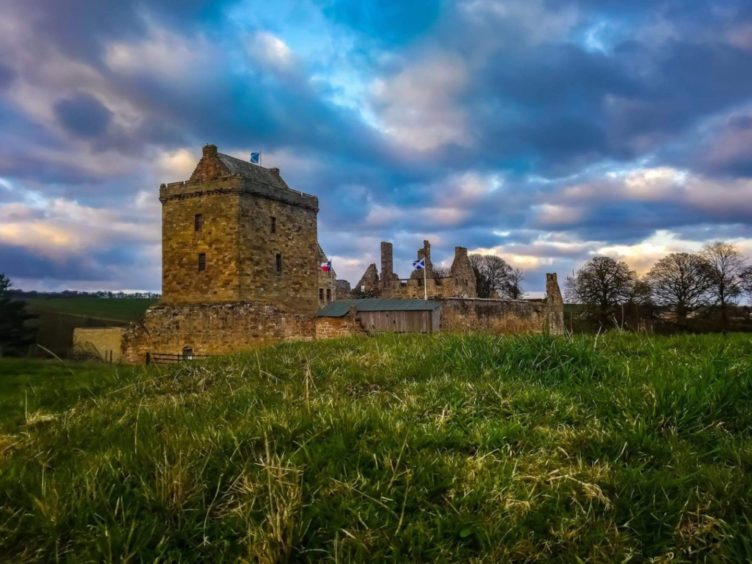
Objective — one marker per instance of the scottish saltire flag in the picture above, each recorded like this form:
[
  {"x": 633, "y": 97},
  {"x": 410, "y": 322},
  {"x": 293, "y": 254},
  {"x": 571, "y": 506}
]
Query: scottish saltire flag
[
  {"x": 255, "y": 158},
  {"x": 419, "y": 264},
  {"x": 326, "y": 266}
]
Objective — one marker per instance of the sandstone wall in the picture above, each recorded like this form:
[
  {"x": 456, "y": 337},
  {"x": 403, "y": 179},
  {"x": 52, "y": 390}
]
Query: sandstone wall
[
  {"x": 555, "y": 305},
  {"x": 182, "y": 282},
  {"x": 294, "y": 238},
  {"x": 336, "y": 327},
  {"x": 212, "y": 329},
  {"x": 494, "y": 316},
  {"x": 102, "y": 342}
]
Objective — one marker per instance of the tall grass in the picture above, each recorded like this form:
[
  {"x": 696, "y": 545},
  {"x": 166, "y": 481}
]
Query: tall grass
[{"x": 441, "y": 448}]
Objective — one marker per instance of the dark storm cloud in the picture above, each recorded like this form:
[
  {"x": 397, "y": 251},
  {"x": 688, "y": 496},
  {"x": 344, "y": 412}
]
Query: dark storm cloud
[
  {"x": 81, "y": 28},
  {"x": 83, "y": 115},
  {"x": 560, "y": 106}
]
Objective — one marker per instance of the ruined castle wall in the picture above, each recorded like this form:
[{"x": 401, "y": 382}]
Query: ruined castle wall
[
  {"x": 217, "y": 239},
  {"x": 555, "y": 305},
  {"x": 278, "y": 254},
  {"x": 212, "y": 329},
  {"x": 326, "y": 287},
  {"x": 493, "y": 316},
  {"x": 336, "y": 327}
]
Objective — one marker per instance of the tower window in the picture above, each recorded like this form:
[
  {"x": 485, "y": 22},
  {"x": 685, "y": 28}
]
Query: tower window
[
  {"x": 328, "y": 295},
  {"x": 201, "y": 262},
  {"x": 273, "y": 225},
  {"x": 279, "y": 262},
  {"x": 198, "y": 222},
  {"x": 321, "y": 294}
]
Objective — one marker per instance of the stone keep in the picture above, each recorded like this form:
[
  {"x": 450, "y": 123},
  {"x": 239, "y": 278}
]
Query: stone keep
[{"x": 235, "y": 232}]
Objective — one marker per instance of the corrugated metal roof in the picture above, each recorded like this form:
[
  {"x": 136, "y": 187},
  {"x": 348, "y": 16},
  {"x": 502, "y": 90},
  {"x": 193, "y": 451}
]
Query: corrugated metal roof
[{"x": 341, "y": 307}]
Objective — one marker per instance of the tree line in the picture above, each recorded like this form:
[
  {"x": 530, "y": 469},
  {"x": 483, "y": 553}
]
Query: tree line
[{"x": 681, "y": 283}]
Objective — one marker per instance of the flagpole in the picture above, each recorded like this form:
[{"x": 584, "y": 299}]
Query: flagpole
[{"x": 425, "y": 287}]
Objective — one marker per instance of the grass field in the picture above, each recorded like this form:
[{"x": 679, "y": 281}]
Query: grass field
[
  {"x": 442, "y": 448},
  {"x": 125, "y": 309}
]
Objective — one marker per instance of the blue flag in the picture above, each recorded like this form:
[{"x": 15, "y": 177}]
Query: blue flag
[
  {"x": 419, "y": 264},
  {"x": 255, "y": 158}
]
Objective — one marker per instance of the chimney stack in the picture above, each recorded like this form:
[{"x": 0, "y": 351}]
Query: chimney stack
[{"x": 387, "y": 262}]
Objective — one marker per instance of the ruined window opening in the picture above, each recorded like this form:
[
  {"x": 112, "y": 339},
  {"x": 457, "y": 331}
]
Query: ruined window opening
[
  {"x": 201, "y": 262},
  {"x": 273, "y": 225},
  {"x": 328, "y": 295},
  {"x": 279, "y": 262},
  {"x": 198, "y": 222},
  {"x": 321, "y": 294},
  {"x": 187, "y": 353}
]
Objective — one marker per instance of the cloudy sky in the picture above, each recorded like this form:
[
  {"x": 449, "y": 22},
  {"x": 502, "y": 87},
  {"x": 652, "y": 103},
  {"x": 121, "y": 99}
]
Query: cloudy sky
[{"x": 545, "y": 131}]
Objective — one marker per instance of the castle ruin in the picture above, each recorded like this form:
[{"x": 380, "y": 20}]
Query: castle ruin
[
  {"x": 241, "y": 265},
  {"x": 460, "y": 283}
]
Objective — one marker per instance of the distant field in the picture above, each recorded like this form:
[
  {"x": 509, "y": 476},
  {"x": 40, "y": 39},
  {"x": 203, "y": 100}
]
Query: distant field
[
  {"x": 126, "y": 309},
  {"x": 443, "y": 448}
]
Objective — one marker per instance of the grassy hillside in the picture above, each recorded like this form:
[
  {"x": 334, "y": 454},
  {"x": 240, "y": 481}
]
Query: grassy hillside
[
  {"x": 125, "y": 309},
  {"x": 425, "y": 448}
]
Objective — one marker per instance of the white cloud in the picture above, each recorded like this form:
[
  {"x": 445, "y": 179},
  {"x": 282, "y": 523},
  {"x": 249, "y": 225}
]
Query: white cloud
[
  {"x": 59, "y": 228},
  {"x": 418, "y": 107},
  {"x": 271, "y": 50},
  {"x": 175, "y": 165}
]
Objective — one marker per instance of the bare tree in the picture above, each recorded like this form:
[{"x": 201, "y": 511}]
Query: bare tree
[
  {"x": 681, "y": 281},
  {"x": 602, "y": 284},
  {"x": 495, "y": 278},
  {"x": 441, "y": 271},
  {"x": 745, "y": 280},
  {"x": 514, "y": 284},
  {"x": 726, "y": 265}
]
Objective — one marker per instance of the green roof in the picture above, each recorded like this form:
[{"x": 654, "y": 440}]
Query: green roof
[{"x": 341, "y": 307}]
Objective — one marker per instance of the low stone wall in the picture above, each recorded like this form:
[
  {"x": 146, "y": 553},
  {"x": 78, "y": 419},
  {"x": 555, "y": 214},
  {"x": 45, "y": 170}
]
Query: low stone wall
[
  {"x": 212, "y": 329},
  {"x": 104, "y": 343},
  {"x": 335, "y": 327},
  {"x": 494, "y": 316}
]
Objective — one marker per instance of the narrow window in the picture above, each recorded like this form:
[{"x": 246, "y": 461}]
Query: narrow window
[
  {"x": 201, "y": 262},
  {"x": 321, "y": 294},
  {"x": 279, "y": 262},
  {"x": 198, "y": 222},
  {"x": 273, "y": 225},
  {"x": 328, "y": 295}
]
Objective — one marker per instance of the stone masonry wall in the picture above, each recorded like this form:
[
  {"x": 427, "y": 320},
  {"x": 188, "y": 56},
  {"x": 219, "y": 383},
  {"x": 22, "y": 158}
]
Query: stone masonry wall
[
  {"x": 555, "y": 305},
  {"x": 182, "y": 282},
  {"x": 493, "y": 316},
  {"x": 294, "y": 239},
  {"x": 212, "y": 329},
  {"x": 336, "y": 327},
  {"x": 460, "y": 283}
]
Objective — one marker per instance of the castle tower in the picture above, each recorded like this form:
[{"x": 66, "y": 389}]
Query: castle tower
[{"x": 235, "y": 232}]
